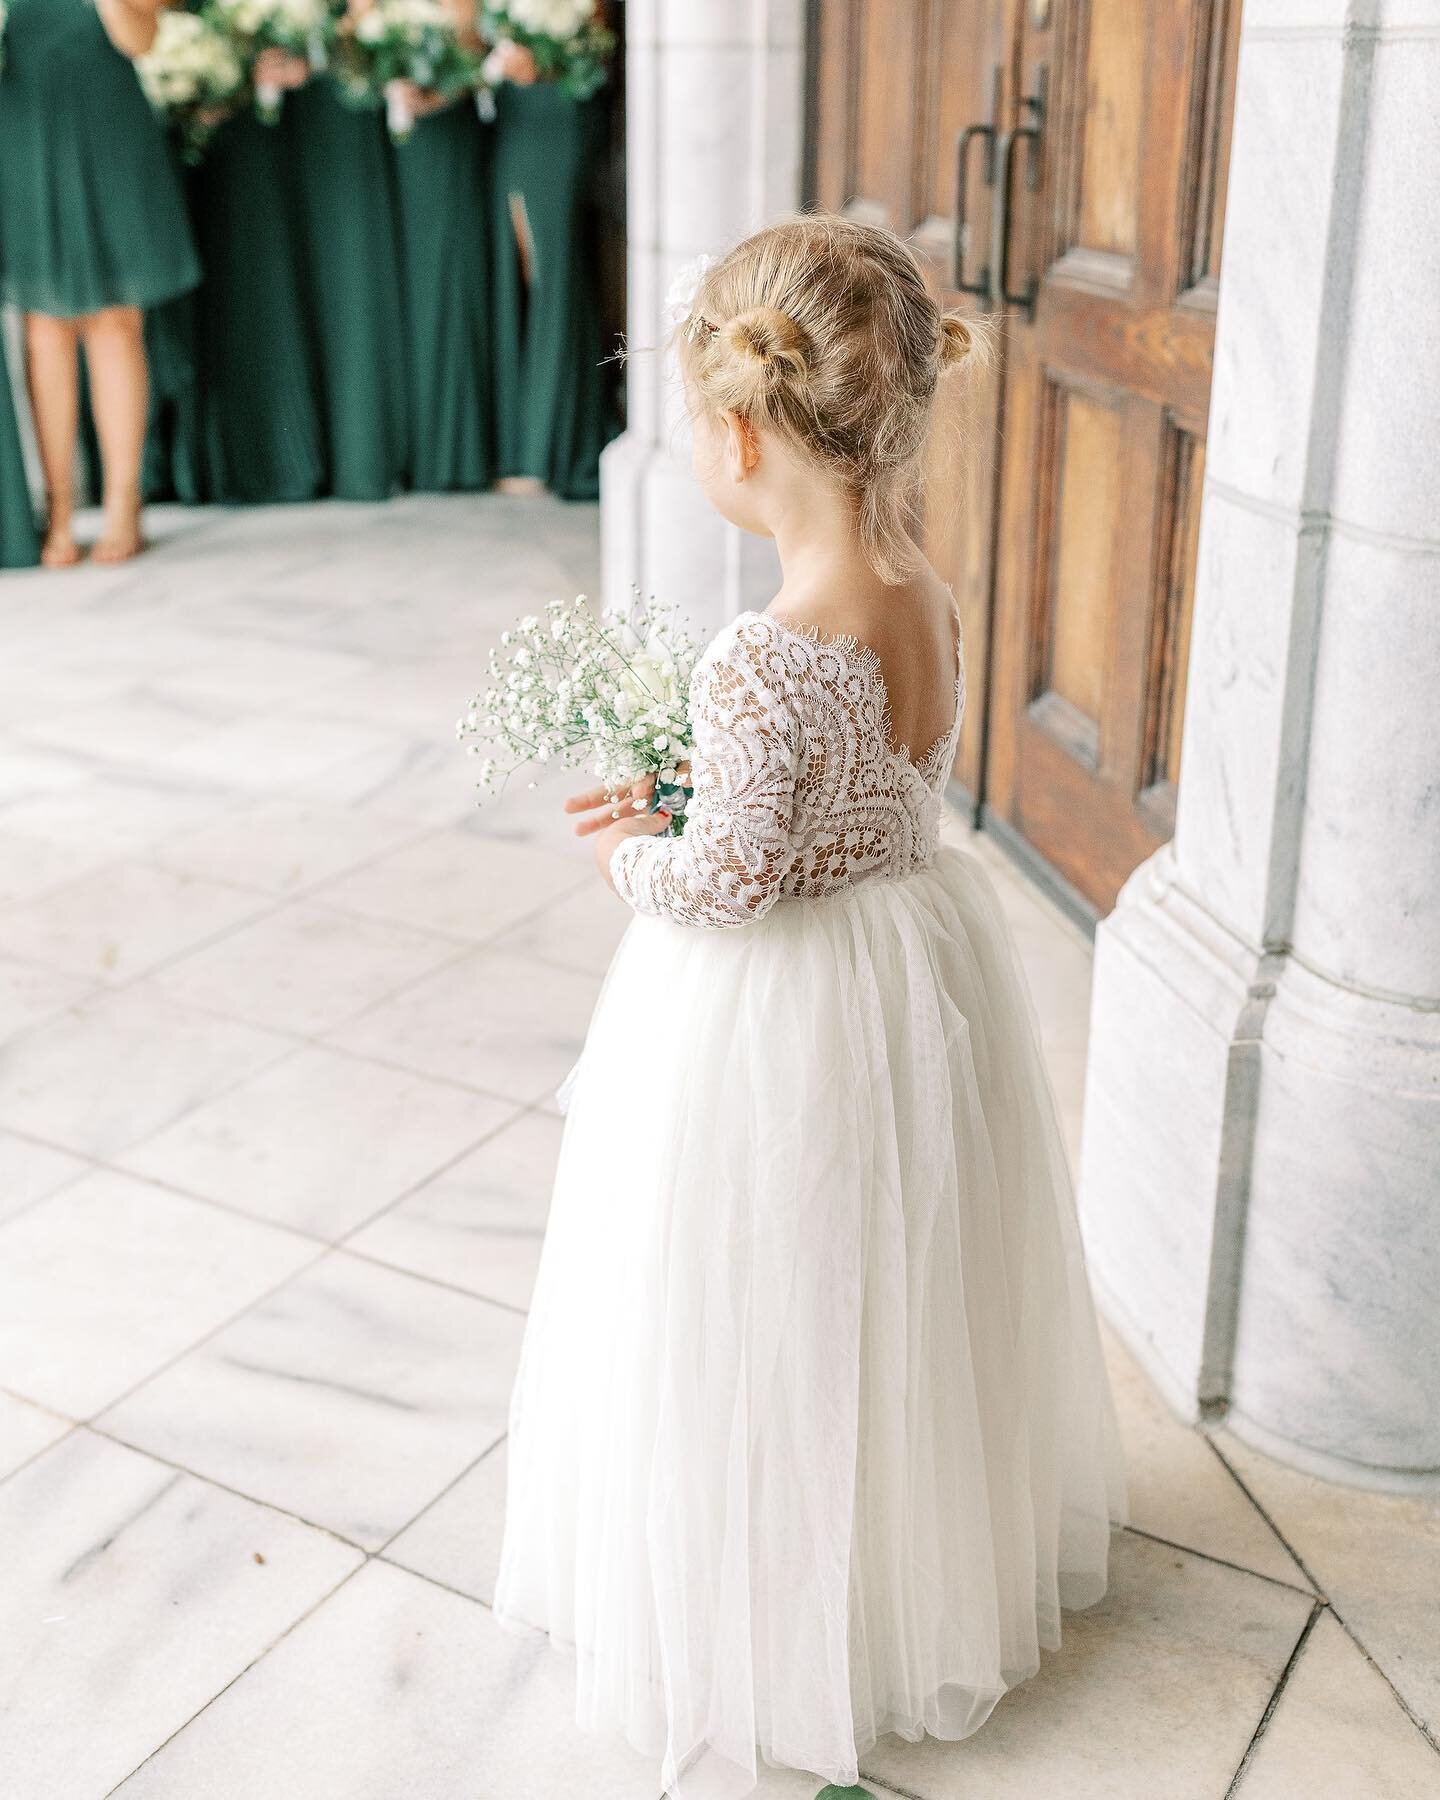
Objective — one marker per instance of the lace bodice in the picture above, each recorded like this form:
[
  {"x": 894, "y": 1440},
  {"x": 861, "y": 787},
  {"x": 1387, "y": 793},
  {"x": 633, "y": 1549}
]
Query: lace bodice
[{"x": 797, "y": 790}]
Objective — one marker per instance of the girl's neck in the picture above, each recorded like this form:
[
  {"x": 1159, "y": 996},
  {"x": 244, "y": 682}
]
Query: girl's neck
[{"x": 820, "y": 552}]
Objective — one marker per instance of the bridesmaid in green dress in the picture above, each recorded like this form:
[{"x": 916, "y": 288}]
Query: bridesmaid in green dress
[
  {"x": 94, "y": 231},
  {"x": 257, "y": 425},
  {"x": 441, "y": 175},
  {"x": 551, "y": 395},
  {"x": 339, "y": 185}
]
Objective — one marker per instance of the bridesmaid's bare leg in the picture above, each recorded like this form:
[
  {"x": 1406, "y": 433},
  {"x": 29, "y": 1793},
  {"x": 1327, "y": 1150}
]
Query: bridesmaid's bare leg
[
  {"x": 53, "y": 376},
  {"x": 114, "y": 342},
  {"x": 525, "y": 253}
]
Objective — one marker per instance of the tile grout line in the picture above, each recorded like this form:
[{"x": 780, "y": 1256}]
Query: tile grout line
[
  {"x": 239, "y": 1675},
  {"x": 1316, "y": 1611},
  {"x": 1222, "y": 1562},
  {"x": 1421, "y": 1725}
]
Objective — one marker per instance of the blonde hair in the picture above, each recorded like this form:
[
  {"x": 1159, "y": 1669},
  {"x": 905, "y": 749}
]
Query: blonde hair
[{"x": 823, "y": 330}]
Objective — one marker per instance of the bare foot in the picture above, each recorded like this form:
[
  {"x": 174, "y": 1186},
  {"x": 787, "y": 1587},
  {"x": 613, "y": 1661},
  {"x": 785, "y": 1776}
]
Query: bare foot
[
  {"x": 118, "y": 543},
  {"x": 59, "y": 551},
  {"x": 520, "y": 484}
]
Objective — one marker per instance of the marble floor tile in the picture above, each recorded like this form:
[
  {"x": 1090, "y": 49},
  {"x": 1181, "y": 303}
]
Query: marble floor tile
[
  {"x": 503, "y": 1023},
  {"x": 283, "y": 846},
  {"x": 125, "y": 919},
  {"x": 30, "y": 866},
  {"x": 261, "y": 674},
  {"x": 479, "y": 1223},
  {"x": 1375, "y": 1556},
  {"x": 285, "y": 1145},
  {"x": 304, "y": 968},
  {"x": 1338, "y": 1729},
  {"x": 255, "y": 757},
  {"x": 30, "y": 992},
  {"x": 456, "y": 1540},
  {"x": 533, "y": 816},
  {"x": 28, "y": 770},
  {"x": 140, "y": 724},
  {"x": 582, "y": 931},
  {"x": 351, "y": 1397},
  {"x": 141, "y": 1594},
  {"x": 426, "y": 782},
  {"x": 1156, "y": 1690},
  {"x": 395, "y": 1689},
  {"x": 109, "y": 1278},
  {"x": 30, "y": 1170},
  {"x": 454, "y": 884},
  {"x": 117, "y": 815},
  {"x": 26, "y": 1430},
  {"x": 115, "y": 1069},
  {"x": 1180, "y": 1490}
]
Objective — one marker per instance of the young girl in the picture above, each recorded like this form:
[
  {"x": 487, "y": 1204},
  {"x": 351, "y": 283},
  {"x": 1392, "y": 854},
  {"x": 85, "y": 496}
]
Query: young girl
[{"x": 811, "y": 1438}]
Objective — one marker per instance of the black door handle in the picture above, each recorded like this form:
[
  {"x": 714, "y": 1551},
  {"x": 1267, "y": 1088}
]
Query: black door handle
[
  {"x": 985, "y": 134},
  {"x": 1001, "y": 294}
]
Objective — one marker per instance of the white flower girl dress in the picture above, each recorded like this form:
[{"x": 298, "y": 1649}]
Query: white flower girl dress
[{"x": 811, "y": 1437}]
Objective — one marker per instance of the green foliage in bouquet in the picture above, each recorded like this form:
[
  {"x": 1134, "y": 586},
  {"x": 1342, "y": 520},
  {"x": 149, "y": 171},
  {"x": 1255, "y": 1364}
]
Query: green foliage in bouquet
[
  {"x": 192, "y": 75},
  {"x": 570, "y": 46},
  {"x": 403, "y": 40}
]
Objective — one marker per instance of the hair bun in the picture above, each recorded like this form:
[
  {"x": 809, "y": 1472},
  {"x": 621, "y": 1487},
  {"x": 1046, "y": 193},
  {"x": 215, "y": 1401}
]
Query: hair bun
[
  {"x": 770, "y": 341},
  {"x": 957, "y": 339}
]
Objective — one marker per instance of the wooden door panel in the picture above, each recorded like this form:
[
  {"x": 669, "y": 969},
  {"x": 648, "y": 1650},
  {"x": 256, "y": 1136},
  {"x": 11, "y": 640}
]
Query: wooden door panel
[{"x": 1107, "y": 392}]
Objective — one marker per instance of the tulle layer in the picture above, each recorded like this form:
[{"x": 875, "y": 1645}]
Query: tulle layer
[{"x": 811, "y": 1439}]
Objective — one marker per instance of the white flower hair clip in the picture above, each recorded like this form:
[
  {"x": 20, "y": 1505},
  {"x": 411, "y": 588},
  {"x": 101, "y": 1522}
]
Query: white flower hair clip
[{"x": 680, "y": 295}]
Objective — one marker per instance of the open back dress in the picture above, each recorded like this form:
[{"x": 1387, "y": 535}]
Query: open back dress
[{"x": 811, "y": 1437}]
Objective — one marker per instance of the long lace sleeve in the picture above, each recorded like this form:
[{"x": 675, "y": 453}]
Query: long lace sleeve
[{"x": 727, "y": 868}]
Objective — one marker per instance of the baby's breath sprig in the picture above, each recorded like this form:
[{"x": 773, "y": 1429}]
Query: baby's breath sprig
[{"x": 573, "y": 687}]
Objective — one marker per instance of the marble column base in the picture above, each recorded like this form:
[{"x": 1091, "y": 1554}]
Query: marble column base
[{"x": 1258, "y": 1190}]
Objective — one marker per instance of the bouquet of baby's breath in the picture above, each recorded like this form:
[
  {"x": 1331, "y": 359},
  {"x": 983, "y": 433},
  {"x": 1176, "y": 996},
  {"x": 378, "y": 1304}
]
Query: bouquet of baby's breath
[
  {"x": 572, "y": 687},
  {"x": 570, "y": 45},
  {"x": 298, "y": 27},
  {"x": 191, "y": 75},
  {"x": 395, "y": 41}
]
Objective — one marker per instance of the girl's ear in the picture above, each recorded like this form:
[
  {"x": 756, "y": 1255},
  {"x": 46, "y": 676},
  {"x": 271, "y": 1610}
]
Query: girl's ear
[{"x": 742, "y": 445}]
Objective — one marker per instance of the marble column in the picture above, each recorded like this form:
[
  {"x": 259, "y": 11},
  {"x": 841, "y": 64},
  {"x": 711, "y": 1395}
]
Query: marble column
[
  {"x": 1260, "y": 1172},
  {"x": 714, "y": 108}
]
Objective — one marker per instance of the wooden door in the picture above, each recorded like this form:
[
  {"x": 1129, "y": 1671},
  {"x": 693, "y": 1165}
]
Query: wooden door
[
  {"x": 1068, "y": 524},
  {"x": 893, "y": 85},
  {"x": 1117, "y": 194}
]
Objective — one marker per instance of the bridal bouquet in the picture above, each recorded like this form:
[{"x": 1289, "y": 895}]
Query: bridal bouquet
[
  {"x": 191, "y": 75},
  {"x": 297, "y": 27},
  {"x": 571, "y": 688},
  {"x": 569, "y": 44},
  {"x": 397, "y": 41}
]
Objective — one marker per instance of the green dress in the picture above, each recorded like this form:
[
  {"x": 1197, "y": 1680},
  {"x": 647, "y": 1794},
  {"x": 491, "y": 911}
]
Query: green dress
[
  {"x": 339, "y": 180},
  {"x": 440, "y": 173},
  {"x": 19, "y": 541},
  {"x": 90, "y": 209},
  {"x": 257, "y": 422},
  {"x": 552, "y": 397}
]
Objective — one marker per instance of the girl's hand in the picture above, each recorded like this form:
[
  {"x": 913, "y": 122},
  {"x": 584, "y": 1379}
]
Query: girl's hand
[
  {"x": 604, "y": 808},
  {"x": 601, "y": 823},
  {"x": 280, "y": 69}
]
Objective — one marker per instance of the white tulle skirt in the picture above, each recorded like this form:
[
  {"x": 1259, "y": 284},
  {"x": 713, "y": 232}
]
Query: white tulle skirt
[{"x": 811, "y": 1438}]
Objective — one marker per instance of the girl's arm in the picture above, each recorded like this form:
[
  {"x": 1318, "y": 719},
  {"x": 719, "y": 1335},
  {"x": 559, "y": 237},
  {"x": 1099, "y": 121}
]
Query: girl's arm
[
  {"x": 130, "y": 25},
  {"x": 728, "y": 867}
]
